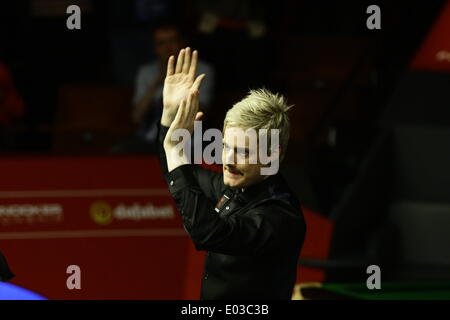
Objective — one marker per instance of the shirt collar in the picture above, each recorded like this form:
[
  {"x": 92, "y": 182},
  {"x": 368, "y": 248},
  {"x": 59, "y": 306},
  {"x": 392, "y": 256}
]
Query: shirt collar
[{"x": 261, "y": 190}]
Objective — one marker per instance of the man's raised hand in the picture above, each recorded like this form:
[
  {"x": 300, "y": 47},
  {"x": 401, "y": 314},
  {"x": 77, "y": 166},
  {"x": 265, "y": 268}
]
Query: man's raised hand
[
  {"x": 177, "y": 152},
  {"x": 179, "y": 83},
  {"x": 187, "y": 113}
]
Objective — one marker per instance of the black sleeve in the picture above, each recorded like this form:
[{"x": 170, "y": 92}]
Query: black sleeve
[
  {"x": 210, "y": 182},
  {"x": 256, "y": 232}
]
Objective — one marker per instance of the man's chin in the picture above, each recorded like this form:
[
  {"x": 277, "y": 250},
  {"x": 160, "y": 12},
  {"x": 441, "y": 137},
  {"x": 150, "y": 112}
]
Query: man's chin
[{"x": 232, "y": 183}]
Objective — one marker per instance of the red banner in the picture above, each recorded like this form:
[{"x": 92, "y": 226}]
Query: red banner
[
  {"x": 434, "y": 54},
  {"x": 114, "y": 218}
]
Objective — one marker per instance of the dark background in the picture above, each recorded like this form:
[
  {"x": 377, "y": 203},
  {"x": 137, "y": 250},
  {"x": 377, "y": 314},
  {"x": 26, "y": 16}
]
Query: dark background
[
  {"x": 301, "y": 43},
  {"x": 343, "y": 160}
]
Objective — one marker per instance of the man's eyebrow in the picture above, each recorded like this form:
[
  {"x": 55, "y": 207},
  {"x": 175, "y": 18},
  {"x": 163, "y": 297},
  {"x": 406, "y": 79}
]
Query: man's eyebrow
[
  {"x": 245, "y": 150},
  {"x": 237, "y": 148}
]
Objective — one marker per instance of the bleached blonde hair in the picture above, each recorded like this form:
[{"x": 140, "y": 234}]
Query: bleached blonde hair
[{"x": 261, "y": 109}]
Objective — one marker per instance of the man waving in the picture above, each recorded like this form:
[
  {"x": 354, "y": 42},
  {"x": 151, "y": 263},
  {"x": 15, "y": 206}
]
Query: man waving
[{"x": 249, "y": 222}]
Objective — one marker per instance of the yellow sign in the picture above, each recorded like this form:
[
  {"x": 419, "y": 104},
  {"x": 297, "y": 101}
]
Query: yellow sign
[{"x": 101, "y": 213}]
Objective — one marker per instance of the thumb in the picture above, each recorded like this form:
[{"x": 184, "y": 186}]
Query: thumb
[{"x": 198, "y": 116}]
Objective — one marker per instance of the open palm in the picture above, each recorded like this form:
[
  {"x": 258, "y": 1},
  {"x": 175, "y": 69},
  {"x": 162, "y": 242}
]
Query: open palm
[{"x": 180, "y": 79}]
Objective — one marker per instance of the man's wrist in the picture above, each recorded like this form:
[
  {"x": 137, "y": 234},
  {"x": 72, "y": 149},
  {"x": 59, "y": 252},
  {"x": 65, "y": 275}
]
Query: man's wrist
[
  {"x": 167, "y": 118},
  {"x": 180, "y": 178},
  {"x": 174, "y": 158}
]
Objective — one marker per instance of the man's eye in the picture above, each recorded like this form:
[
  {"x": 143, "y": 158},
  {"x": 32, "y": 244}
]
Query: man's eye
[{"x": 242, "y": 152}]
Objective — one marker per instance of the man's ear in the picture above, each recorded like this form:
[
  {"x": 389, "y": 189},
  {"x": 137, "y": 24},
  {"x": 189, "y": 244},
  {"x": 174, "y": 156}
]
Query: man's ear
[
  {"x": 273, "y": 165},
  {"x": 275, "y": 155}
]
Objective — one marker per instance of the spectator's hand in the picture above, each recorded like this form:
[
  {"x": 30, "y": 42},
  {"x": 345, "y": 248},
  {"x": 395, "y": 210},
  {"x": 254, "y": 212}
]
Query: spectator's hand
[{"x": 179, "y": 83}]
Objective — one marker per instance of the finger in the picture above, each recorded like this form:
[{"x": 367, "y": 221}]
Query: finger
[
  {"x": 179, "y": 66},
  {"x": 190, "y": 107},
  {"x": 198, "y": 82},
  {"x": 187, "y": 60},
  {"x": 198, "y": 116},
  {"x": 184, "y": 111},
  {"x": 178, "y": 116},
  {"x": 170, "y": 66},
  {"x": 193, "y": 66},
  {"x": 195, "y": 102}
]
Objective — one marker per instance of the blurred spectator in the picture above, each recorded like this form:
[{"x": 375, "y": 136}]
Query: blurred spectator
[
  {"x": 149, "y": 10},
  {"x": 147, "y": 101},
  {"x": 11, "y": 108}
]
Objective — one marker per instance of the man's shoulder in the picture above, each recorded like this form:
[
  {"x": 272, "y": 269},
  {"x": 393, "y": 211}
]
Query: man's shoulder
[
  {"x": 283, "y": 217},
  {"x": 280, "y": 198},
  {"x": 280, "y": 204}
]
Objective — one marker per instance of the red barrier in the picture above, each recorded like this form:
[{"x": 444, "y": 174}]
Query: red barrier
[
  {"x": 115, "y": 219},
  {"x": 434, "y": 53}
]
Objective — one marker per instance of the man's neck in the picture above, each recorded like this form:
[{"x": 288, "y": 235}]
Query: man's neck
[{"x": 243, "y": 189}]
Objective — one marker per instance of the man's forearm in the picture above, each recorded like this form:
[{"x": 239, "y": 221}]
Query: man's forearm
[
  {"x": 175, "y": 159},
  {"x": 162, "y": 131},
  {"x": 167, "y": 118},
  {"x": 169, "y": 158}
]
